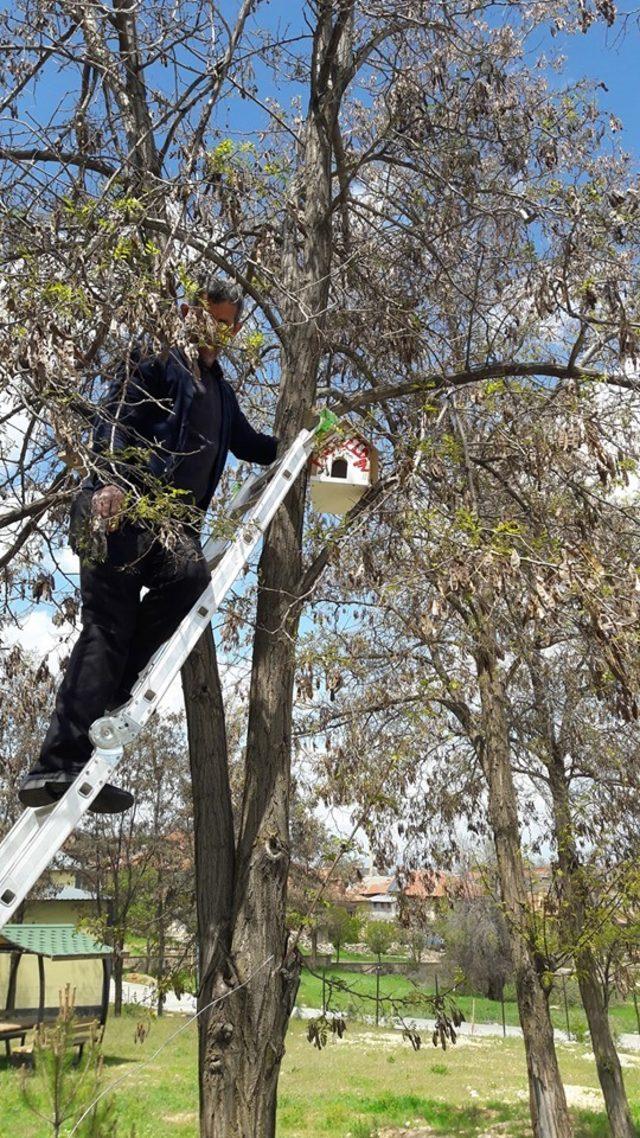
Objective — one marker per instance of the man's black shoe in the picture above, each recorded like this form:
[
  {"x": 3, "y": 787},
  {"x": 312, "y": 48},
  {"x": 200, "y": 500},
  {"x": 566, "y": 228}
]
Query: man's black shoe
[{"x": 43, "y": 789}]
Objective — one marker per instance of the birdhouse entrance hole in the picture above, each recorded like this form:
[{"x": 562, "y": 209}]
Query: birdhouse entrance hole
[{"x": 341, "y": 473}]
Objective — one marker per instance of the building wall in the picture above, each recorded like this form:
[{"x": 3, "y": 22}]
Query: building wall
[
  {"x": 52, "y": 912},
  {"x": 85, "y": 976},
  {"x": 377, "y": 910}
]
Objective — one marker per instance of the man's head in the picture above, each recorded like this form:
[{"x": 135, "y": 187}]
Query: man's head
[{"x": 215, "y": 316}]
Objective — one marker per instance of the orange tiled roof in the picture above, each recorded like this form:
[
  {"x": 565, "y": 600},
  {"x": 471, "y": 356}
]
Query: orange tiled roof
[
  {"x": 426, "y": 883},
  {"x": 372, "y": 887}
]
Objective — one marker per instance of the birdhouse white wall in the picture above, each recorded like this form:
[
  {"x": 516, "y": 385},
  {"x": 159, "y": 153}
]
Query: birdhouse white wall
[{"x": 341, "y": 473}]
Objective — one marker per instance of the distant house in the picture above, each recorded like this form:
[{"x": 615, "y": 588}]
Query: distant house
[
  {"x": 427, "y": 893},
  {"x": 375, "y": 897},
  {"x": 422, "y": 895},
  {"x": 66, "y": 905},
  {"x": 418, "y": 894}
]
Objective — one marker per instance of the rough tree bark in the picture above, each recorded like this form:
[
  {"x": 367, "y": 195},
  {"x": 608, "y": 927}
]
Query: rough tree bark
[
  {"x": 213, "y": 839},
  {"x": 547, "y": 1100}
]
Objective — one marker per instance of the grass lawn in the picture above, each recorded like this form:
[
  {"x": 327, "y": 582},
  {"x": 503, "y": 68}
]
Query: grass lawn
[
  {"x": 622, "y": 1016},
  {"x": 368, "y": 1081}
]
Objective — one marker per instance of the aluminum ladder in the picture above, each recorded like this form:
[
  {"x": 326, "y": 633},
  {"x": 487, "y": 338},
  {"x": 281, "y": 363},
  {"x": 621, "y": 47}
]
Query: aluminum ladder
[{"x": 39, "y": 833}]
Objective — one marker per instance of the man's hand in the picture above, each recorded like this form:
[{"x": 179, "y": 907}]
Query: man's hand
[{"x": 107, "y": 503}]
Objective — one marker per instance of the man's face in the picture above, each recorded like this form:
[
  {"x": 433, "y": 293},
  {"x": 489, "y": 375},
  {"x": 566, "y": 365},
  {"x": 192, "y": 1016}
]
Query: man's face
[{"x": 214, "y": 324}]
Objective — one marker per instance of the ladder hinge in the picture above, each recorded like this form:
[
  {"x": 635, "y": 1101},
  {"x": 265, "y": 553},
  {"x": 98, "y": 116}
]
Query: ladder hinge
[{"x": 112, "y": 731}]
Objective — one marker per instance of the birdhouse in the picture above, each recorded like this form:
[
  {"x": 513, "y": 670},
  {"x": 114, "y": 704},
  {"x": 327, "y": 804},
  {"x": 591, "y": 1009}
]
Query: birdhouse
[{"x": 341, "y": 473}]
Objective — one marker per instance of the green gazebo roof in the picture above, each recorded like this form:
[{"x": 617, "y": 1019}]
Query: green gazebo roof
[{"x": 54, "y": 941}]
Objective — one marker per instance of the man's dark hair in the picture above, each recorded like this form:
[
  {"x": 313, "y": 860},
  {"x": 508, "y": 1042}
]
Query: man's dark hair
[{"x": 218, "y": 289}]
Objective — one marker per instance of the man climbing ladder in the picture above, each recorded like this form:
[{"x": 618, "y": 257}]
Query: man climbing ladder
[
  {"x": 39, "y": 833},
  {"x": 185, "y": 420}
]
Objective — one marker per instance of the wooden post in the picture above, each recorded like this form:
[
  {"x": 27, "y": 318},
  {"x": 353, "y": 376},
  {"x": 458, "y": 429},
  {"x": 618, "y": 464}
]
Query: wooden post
[
  {"x": 635, "y": 1004},
  {"x": 106, "y": 985},
  {"x": 14, "y": 964},
  {"x": 41, "y": 987},
  {"x": 566, "y": 1007}
]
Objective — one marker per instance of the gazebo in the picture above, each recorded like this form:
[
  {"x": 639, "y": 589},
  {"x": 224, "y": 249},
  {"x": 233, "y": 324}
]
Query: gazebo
[{"x": 35, "y": 968}]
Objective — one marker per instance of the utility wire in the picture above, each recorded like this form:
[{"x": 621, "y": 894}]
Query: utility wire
[{"x": 218, "y": 1000}]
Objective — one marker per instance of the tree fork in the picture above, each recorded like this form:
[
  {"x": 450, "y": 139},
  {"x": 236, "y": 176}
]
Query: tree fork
[
  {"x": 548, "y": 1104},
  {"x": 573, "y": 916}
]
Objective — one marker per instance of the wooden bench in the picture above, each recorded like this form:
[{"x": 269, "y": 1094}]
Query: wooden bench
[
  {"x": 9, "y": 1031},
  {"x": 84, "y": 1031}
]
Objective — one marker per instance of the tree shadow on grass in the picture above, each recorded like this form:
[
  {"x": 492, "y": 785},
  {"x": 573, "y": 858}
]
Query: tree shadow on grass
[
  {"x": 107, "y": 1060},
  {"x": 120, "y": 1060},
  {"x": 594, "y": 1124},
  {"x": 444, "y": 1118},
  {"x": 510, "y": 1119}
]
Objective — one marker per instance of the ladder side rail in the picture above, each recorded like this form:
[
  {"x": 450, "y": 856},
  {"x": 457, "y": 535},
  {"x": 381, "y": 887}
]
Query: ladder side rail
[
  {"x": 249, "y": 491},
  {"x": 215, "y": 548},
  {"x": 246, "y": 496},
  {"x": 242, "y": 500},
  {"x": 38, "y": 834},
  {"x": 153, "y": 683}
]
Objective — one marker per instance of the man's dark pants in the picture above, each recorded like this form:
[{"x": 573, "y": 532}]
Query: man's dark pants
[{"x": 120, "y": 631}]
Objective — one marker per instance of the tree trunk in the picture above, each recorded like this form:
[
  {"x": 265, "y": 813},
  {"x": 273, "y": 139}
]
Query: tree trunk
[
  {"x": 245, "y": 973},
  {"x": 604, "y": 1049},
  {"x": 161, "y": 952},
  {"x": 214, "y": 844},
  {"x": 549, "y": 1114},
  {"x": 118, "y": 970},
  {"x": 247, "y": 965},
  {"x": 573, "y": 917},
  {"x": 495, "y": 990},
  {"x": 253, "y": 1021}
]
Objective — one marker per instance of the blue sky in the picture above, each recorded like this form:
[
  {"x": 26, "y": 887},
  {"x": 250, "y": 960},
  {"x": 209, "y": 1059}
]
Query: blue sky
[
  {"x": 609, "y": 55},
  {"x": 604, "y": 54}
]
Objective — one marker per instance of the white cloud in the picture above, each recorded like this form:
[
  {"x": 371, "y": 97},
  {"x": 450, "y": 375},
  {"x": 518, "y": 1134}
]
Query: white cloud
[
  {"x": 67, "y": 561},
  {"x": 37, "y": 633}
]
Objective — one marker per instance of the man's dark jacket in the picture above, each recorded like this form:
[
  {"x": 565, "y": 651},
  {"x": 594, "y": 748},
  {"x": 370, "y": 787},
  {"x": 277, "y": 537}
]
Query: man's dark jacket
[{"x": 147, "y": 408}]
